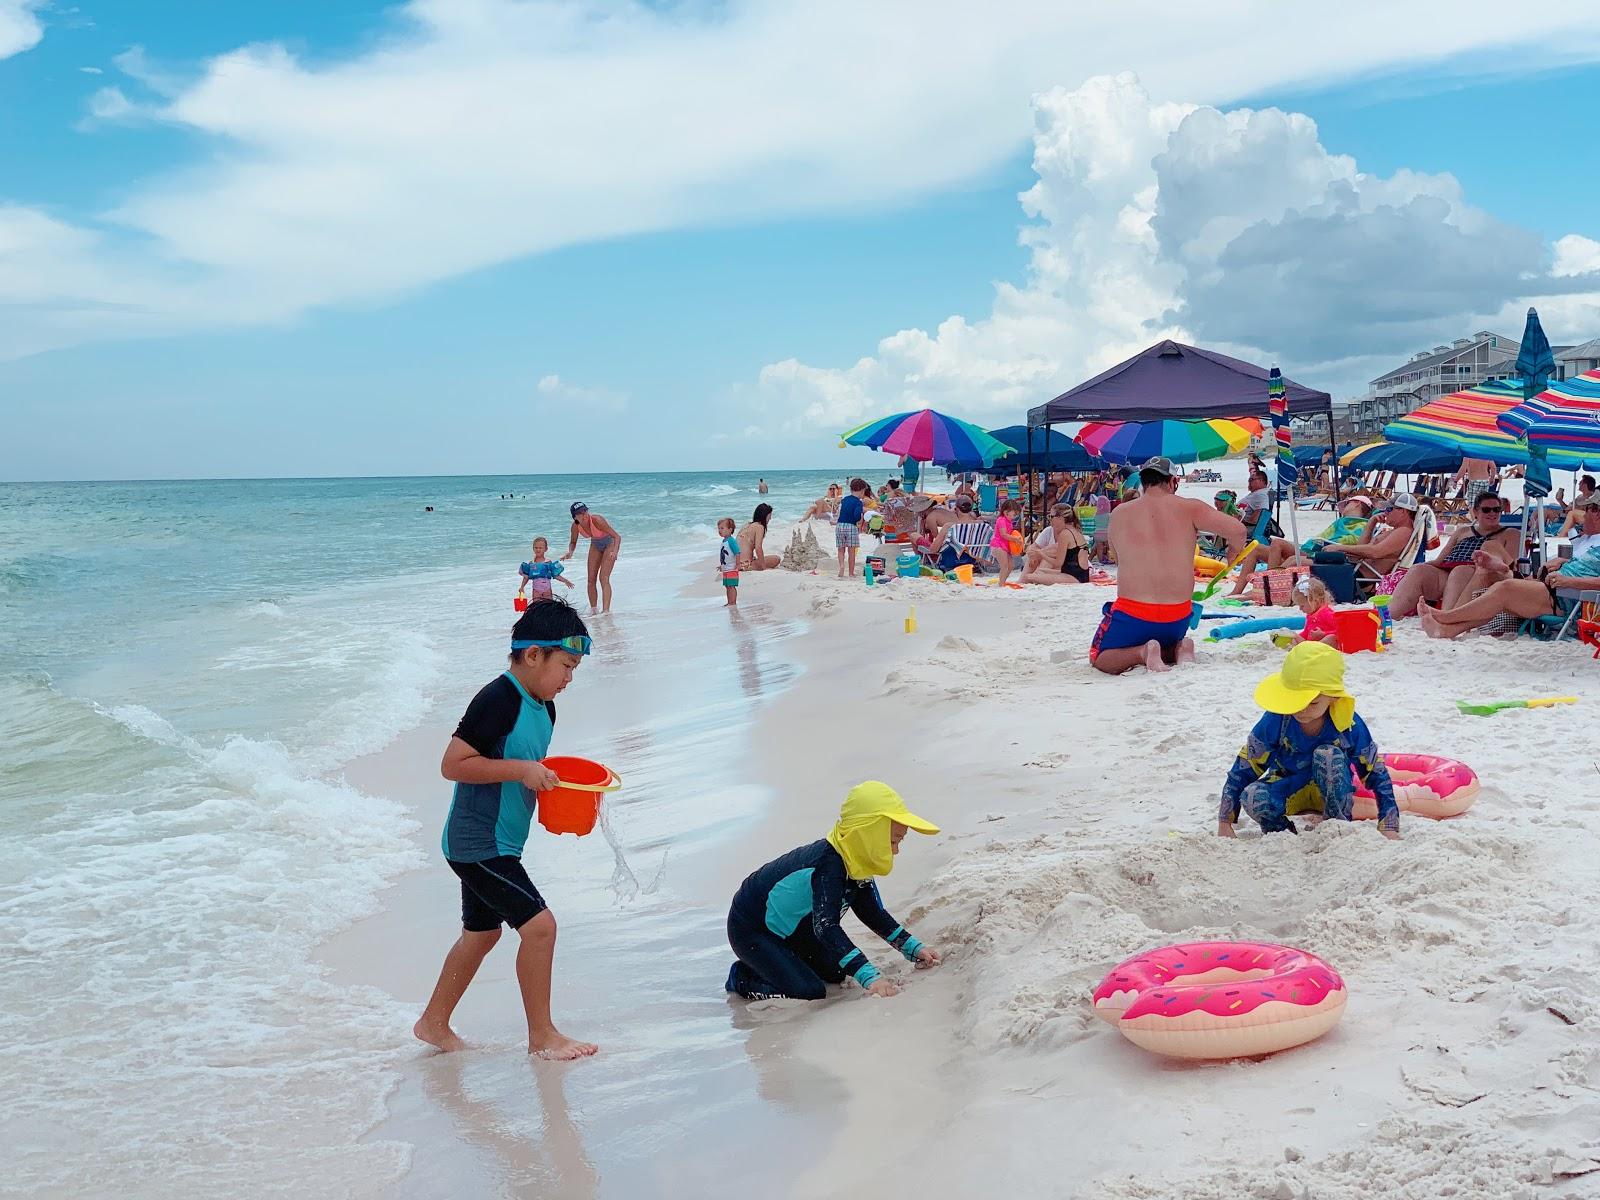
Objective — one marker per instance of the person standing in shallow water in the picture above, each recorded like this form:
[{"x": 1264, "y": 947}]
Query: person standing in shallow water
[
  {"x": 494, "y": 762},
  {"x": 605, "y": 543},
  {"x": 761, "y": 486}
]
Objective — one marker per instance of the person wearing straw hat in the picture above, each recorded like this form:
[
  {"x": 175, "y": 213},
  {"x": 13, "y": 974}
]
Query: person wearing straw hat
[
  {"x": 1299, "y": 756},
  {"x": 494, "y": 762},
  {"x": 784, "y": 923}
]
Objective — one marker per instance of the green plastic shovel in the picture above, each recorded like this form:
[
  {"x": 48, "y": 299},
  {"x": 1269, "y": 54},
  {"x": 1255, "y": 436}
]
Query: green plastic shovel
[{"x": 1488, "y": 710}]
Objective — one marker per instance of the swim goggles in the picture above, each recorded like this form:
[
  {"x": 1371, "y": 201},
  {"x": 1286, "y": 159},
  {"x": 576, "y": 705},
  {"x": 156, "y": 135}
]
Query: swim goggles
[{"x": 579, "y": 643}]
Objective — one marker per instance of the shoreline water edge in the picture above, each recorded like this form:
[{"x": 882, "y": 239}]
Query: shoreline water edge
[{"x": 1077, "y": 812}]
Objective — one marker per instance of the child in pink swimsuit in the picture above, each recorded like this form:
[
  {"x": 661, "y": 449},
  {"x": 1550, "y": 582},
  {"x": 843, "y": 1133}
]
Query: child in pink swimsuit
[{"x": 1004, "y": 525}]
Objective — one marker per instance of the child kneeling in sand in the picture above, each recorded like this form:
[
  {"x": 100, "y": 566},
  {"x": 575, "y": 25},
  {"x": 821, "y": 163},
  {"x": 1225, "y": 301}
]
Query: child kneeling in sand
[
  {"x": 494, "y": 761},
  {"x": 1298, "y": 758},
  {"x": 784, "y": 922}
]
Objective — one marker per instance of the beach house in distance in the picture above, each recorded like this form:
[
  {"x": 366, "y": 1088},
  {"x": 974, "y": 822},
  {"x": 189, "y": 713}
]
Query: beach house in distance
[{"x": 1429, "y": 374}]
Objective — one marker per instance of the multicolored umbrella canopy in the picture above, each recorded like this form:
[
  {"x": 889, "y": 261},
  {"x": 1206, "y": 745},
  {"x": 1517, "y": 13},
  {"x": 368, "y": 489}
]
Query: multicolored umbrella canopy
[
  {"x": 929, "y": 437},
  {"x": 1466, "y": 421},
  {"x": 1564, "y": 419},
  {"x": 1181, "y": 441}
]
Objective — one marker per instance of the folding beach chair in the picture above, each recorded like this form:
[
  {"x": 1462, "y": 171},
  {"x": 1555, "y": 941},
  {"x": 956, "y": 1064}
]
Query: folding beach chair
[
  {"x": 1424, "y": 533},
  {"x": 970, "y": 542},
  {"x": 1582, "y": 605}
]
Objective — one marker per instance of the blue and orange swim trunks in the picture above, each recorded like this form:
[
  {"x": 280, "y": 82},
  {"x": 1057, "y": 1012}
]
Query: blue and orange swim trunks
[{"x": 1134, "y": 622}]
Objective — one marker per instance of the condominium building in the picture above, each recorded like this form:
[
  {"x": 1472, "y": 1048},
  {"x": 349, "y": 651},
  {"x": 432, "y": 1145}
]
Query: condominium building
[
  {"x": 1429, "y": 374},
  {"x": 1572, "y": 361},
  {"x": 1426, "y": 375}
]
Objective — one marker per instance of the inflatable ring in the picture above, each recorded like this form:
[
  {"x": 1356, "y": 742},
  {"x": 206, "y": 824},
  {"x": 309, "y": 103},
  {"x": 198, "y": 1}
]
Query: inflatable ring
[
  {"x": 1221, "y": 999},
  {"x": 1208, "y": 568},
  {"x": 1423, "y": 784}
]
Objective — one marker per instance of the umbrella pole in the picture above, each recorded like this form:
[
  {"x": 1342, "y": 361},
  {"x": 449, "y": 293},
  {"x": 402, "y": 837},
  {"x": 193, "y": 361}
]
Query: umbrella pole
[
  {"x": 1333, "y": 445},
  {"x": 1032, "y": 487}
]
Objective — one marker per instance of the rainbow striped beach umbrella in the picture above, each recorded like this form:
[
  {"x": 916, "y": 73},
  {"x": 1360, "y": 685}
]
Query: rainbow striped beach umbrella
[
  {"x": 1181, "y": 441},
  {"x": 929, "y": 437},
  {"x": 1564, "y": 420},
  {"x": 1466, "y": 421}
]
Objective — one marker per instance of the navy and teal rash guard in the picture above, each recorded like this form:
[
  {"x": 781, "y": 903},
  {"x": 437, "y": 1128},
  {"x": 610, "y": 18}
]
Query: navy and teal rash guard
[
  {"x": 489, "y": 820},
  {"x": 803, "y": 895}
]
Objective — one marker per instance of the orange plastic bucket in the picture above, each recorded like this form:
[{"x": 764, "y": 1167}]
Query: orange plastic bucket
[
  {"x": 1358, "y": 629},
  {"x": 963, "y": 573},
  {"x": 575, "y": 805}
]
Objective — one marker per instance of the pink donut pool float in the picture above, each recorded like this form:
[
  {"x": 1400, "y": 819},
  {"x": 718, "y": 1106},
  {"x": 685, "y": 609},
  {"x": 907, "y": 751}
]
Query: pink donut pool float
[
  {"x": 1425, "y": 785},
  {"x": 1221, "y": 999}
]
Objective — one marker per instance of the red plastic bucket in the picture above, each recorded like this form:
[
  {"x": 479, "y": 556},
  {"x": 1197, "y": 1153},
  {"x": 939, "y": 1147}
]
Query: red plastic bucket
[
  {"x": 575, "y": 805},
  {"x": 1358, "y": 629},
  {"x": 520, "y": 604}
]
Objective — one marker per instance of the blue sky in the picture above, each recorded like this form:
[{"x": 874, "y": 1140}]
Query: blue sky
[{"x": 658, "y": 340}]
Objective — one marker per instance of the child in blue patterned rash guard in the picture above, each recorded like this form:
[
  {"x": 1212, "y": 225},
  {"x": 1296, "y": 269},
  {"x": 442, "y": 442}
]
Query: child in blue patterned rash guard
[
  {"x": 784, "y": 923},
  {"x": 494, "y": 762},
  {"x": 1300, "y": 755}
]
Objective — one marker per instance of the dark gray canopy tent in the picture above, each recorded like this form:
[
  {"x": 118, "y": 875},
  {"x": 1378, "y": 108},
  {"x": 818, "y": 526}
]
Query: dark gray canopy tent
[{"x": 1174, "y": 382}]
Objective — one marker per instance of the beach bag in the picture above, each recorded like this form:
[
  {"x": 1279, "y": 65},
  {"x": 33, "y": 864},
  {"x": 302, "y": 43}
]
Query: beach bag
[{"x": 1277, "y": 587}]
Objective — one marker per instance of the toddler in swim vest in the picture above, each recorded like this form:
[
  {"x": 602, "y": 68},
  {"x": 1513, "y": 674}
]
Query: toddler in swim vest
[
  {"x": 1300, "y": 756},
  {"x": 540, "y": 572}
]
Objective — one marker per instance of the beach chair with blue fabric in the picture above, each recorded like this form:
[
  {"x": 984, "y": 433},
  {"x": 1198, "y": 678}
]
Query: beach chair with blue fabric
[
  {"x": 967, "y": 542},
  {"x": 1572, "y": 606}
]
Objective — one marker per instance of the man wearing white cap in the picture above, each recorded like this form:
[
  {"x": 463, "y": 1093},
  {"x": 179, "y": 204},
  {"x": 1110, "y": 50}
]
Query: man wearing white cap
[{"x": 1384, "y": 549}]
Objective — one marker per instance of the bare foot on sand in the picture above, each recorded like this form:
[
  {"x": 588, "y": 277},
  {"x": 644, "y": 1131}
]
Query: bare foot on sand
[
  {"x": 1429, "y": 618},
  {"x": 1186, "y": 651},
  {"x": 439, "y": 1037},
  {"x": 1152, "y": 657},
  {"x": 558, "y": 1047}
]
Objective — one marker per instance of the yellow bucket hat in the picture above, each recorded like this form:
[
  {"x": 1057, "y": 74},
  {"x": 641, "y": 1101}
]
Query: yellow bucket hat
[
  {"x": 1310, "y": 670},
  {"x": 861, "y": 835}
]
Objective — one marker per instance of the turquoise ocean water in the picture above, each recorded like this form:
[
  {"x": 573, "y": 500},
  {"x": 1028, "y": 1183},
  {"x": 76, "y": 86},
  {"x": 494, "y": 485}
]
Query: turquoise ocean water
[{"x": 185, "y": 667}]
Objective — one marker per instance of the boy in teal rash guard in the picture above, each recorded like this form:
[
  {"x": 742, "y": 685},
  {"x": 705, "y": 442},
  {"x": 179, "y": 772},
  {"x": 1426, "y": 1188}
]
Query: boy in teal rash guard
[{"x": 493, "y": 760}]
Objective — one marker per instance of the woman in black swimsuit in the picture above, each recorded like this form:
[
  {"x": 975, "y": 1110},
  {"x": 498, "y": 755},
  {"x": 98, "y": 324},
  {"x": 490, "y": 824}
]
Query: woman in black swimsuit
[{"x": 1065, "y": 559}]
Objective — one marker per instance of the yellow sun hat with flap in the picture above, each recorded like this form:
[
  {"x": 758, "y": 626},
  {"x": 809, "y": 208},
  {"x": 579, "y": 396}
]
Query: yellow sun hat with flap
[
  {"x": 1310, "y": 670},
  {"x": 861, "y": 835}
]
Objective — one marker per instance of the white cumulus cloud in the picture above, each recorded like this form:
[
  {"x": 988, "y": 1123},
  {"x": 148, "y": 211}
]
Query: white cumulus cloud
[
  {"x": 474, "y": 132},
  {"x": 1236, "y": 229},
  {"x": 19, "y": 26}
]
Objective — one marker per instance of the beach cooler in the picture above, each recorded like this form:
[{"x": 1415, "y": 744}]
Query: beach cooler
[
  {"x": 1340, "y": 579},
  {"x": 908, "y": 565}
]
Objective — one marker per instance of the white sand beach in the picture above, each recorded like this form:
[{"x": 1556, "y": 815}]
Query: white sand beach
[{"x": 1079, "y": 815}]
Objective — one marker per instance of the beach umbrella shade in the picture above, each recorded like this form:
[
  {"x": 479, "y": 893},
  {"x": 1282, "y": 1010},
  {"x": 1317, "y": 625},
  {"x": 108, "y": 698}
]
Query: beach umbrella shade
[
  {"x": 1467, "y": 422},
  {"x": 930, "y": 437},
  {"x": 1181, "y": 441},
  {"x": 1563, "y": 421},
  {"x": 1397, "y": 456},
  {"x": 1057, "y": 452}
]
